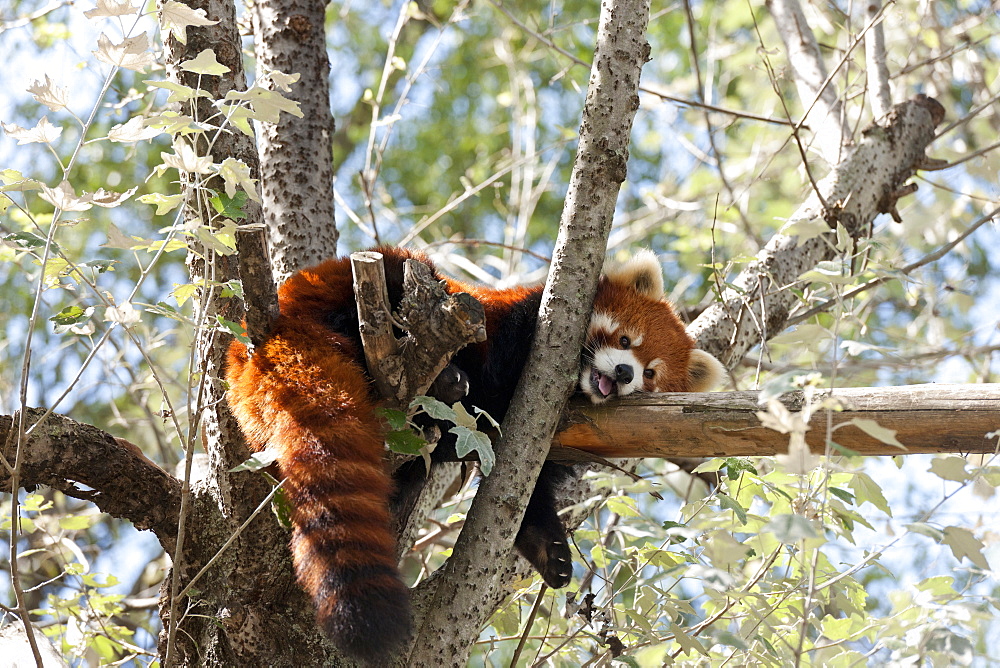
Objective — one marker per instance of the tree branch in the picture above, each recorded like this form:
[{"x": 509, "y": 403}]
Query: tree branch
[
  {"x": 868, "y": 182},
  {"x": 875, "y": 64},
  {"x": 926, "y": 418},
  {"x": 437, "y": 325},
  {"x": 61, "y": 452},
  {"x": 259, "y": 293}
]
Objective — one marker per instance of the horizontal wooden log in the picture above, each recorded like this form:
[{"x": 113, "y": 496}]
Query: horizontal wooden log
[{"x": 926, "y": 418}]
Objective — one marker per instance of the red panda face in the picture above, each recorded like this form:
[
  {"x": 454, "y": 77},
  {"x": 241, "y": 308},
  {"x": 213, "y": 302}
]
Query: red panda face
[{"x": 636, "y": 343}]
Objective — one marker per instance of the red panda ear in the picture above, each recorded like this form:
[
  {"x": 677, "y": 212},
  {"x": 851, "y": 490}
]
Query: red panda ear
[
  {"x": 704, "y": 371},
  {"x": 643, "y": 273}
]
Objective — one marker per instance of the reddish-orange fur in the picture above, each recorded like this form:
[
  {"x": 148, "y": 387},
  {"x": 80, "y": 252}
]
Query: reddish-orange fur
[{"x": 303, "y": 394}]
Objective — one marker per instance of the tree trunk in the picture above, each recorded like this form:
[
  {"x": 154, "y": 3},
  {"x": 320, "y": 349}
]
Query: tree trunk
[
  {"x": 295, "y": 153},
  {"x": 455, "y": 604},
  {"x": 225, "y": 618}
]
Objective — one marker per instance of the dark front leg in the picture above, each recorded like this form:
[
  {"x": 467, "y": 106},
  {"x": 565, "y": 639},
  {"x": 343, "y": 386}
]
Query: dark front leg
[{"x": 542, "y": 538}]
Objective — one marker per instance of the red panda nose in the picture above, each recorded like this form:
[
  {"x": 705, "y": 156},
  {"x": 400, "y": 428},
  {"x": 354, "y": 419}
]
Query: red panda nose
[{"x": 624, "y": 373}]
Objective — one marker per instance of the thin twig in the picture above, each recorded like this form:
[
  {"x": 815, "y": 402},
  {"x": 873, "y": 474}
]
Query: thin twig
[
  {"x": 229, "y": 541},
  {"x": 527, "y": 625},
  {"x": 876, "y": 68}
]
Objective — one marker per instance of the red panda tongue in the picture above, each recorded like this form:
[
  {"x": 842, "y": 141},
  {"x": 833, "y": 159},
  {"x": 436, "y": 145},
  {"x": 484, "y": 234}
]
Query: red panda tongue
[{"x": 604, "y": 384}]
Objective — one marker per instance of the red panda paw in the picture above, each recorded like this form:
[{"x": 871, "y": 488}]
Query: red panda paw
[
  {"x": 550, "y": 557},
  {"x": 451, "y": 385}
]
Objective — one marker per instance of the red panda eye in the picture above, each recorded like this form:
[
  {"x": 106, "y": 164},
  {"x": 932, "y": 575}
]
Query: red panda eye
[
  {"x": 625, "y": 342},
  {"x": 649, "y": 373}
]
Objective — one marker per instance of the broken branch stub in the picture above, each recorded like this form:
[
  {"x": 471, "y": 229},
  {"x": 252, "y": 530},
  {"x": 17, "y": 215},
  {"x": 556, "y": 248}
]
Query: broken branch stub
[{"x": 436, "y": 324}]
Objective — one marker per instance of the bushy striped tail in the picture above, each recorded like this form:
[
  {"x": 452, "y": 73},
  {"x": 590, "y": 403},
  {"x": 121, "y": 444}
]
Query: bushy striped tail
[{"x": 301, "y": 395}]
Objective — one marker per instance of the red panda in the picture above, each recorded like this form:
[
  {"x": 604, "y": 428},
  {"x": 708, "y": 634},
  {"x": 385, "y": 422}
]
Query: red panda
[{"x": 304, "y": 392}]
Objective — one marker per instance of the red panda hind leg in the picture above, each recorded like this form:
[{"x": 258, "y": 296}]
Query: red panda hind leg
[
  {"x": 542, "y": 538},
  {"x": 300, "y": 395}
]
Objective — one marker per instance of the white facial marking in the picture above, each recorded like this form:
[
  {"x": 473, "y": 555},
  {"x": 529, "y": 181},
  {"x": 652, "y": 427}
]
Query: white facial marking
[
  {"x": 600, "y": 321},
  {"x": 636, "y": 340}
]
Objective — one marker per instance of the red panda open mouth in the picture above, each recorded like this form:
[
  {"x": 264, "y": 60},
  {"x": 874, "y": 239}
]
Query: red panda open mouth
[{"x": 604, "y": 385}]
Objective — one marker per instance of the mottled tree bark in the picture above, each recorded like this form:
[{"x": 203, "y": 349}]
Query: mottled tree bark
[{"x": 295, "y": 153}]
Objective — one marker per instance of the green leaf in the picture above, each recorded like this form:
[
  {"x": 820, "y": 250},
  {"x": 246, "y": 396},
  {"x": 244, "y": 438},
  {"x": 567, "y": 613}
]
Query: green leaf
[
  {"x": 624, "y": 506},
  {"x": 27, "y": 525},
  {"x": 806, "y": 228},
  {"x": 404, "y": 441},
  {"x": 71, "y": 315},
  {"x": 267, "y": 104},
  {"x": 164, "y": 203},
  {"x": 221, "y": 241},
  {"x": 176, "y": 17},
  {"x": 828, "y": 271},
  {"x": 257, "y": 461},
  {"x": 434, "y": 408},
  {"x": 230, "y": 207},
  {"x": 166, "y": 310},
  {"x": 689, "y": 644},
  {"x": 481, "y": 413},
  {"x": 877, "y": 431},
  {"x": 235, "y": 328},
  {"x": 183, "y": 292},
  {"x": 710, "y": 465},
  {"x": 729, "y": 503},
  {"x": 282, "y": 508},
  {"x": 396, "y": 418},
  {"x": 464, "y": 419},
  {"x": 735, "y": 466},
  {"x": 105, "y": 647},
  {"x": 842, "y": 628},
  {"x": 13, "y": 181},
  {"x": 790, "y": 528},
  {"x": 469, "y": 440},
  {"x": 950, "y": 468},
  {"x": 236, "y": 174},
  {"x": 938, "y": 586},
  {"x": 26, "y": 240},
  {"x": 842, "y": 494},
  {"x": 840, "y": 449},
  {"x": 599, "y": 556},
  {"x": 204, "y": 63},
  {"x": 963, "y": 543},
  {"x": 866, "y": 489},
  {"x": 167, "y": 246},
  {"x": 806, "y": 333},
  {"x": 90, "y": 579},
  {"x": 925, "y": 529},
  {"x": 35, "y": 503},
  {"x": 507, "y": 620},
  {"x": 232, "y": 288}
]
